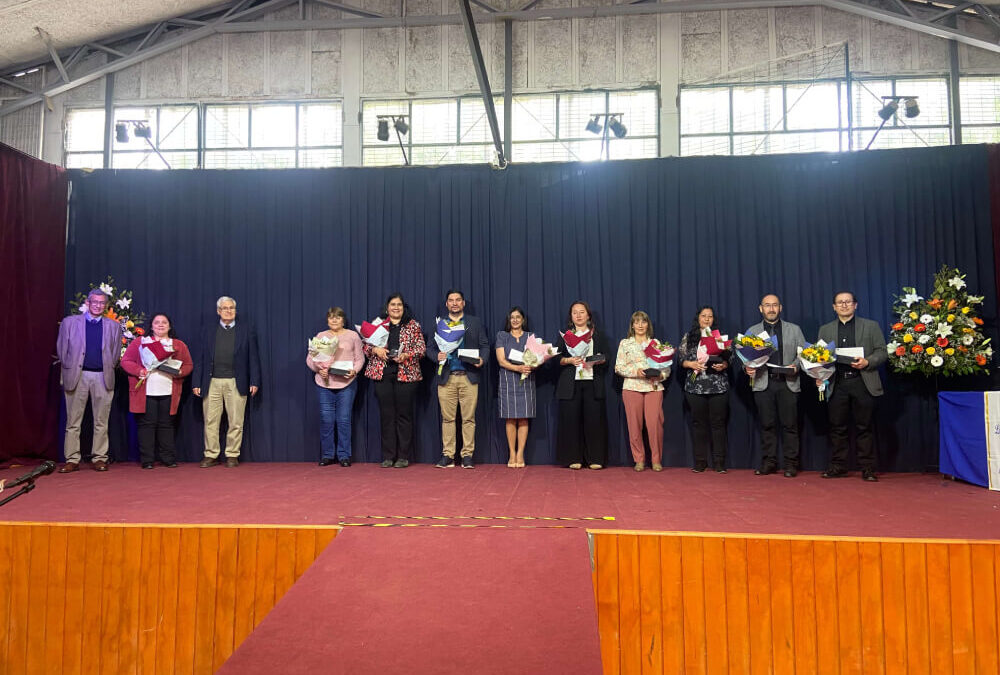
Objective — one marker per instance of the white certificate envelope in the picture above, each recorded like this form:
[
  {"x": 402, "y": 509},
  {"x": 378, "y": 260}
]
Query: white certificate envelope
[
  {"x": 343, "y": 365},
  {"x": 469, "y": 353},
  {"x": 852, "y": 352},
  {"x": 516, "y": 355}
]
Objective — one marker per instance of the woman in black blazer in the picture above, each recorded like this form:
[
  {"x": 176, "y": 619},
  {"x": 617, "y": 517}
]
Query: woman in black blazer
[{"x": 583, "y": 424}]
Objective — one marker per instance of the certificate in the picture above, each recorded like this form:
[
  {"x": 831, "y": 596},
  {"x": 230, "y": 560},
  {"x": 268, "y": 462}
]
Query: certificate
[{"x": 516, "y": 357}]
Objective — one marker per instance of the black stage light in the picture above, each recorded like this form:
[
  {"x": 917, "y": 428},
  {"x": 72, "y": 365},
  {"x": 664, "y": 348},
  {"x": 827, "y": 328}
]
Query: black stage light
[
  {"x": 889, "y": 109},
  {"x": 383, "y": 130},
  {"x": 593, "y": 126},
  {"x": 910, "y": 107},
  {"x": 121, "y": 132},
  {"x": 142, "y": 131},
  {"x": 401, "y": 125},
  {"x": 617, "y": 127}
]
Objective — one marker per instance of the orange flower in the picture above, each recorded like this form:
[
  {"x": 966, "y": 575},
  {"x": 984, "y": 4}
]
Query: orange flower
[
  {"x": 964, "y": 350},
  {"x": 124, "y": 341},
  {"x": 978, "y": 321},
  {"x": 916, "y": 349},
  {"x": 111, "y": 314},
  {"x": 897, "y": 326},
  {"x": 900, "y": 350},
  {"x": 942, "y": 342},
  {"x": 919, "y": 328},
  {"x": 935, "y": 303},
  {"x": 140, "y": 331},
  {"x": 952, "y": 304},
  {"x": 980, "y": 359}
]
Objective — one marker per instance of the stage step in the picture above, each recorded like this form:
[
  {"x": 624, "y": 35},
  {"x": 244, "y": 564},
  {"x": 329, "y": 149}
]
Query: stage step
[{"x": 434, "y": 600}]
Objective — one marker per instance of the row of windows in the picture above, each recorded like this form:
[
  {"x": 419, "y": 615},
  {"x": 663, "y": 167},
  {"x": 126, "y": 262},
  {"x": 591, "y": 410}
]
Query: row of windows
[
  {"x": 718, "y": 119},
  {"x": 546, "y": 127},
  {"x": 813, "y": 116}
]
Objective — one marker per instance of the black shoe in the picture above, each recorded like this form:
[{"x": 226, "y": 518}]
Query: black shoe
[
  {"x": 720, "y": 468},
  {"x": 147, "y": 465},
  {"x": 466, "y": 462},
  {"x": 401, "y": 464},
  {"x": 869, "y": 475},
  {"x": 791, "y": 473},
  {"x": 765, "y": 470},
  {"x": 171, "y": 465},
  {"x": 699, "y": 468},
  {"x": 345, "y": 462},
  {"x": 834, "y": 473},
  {"x": 446, "y": 462},
  {"x": 387, "y": 463},
  {"x": 327, "y": 461}
]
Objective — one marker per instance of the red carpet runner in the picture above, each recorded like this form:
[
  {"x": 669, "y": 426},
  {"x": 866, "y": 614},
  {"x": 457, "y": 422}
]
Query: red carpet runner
[{"x": 434, "y": 600}]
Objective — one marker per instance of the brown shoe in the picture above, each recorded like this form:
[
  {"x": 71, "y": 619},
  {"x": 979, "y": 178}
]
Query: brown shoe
[
  {"x": 207, "y": 462},
  {"x": 100, "y": 466},
  {"x": 69, "y": 467},
  {"x": 232, "y": 462}
]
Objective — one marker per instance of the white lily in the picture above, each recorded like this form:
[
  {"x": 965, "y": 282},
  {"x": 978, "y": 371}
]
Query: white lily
[
  {"x": 123, "y": 303},
  {"x": 957, "y": 282},
  {"x": 911, "y": 298},
  {"x": 943, "y": 330},
  {"x": 107, "y": 289},
  {"x": 83, "y": 308},
  {"x": 892, "y": 346}
]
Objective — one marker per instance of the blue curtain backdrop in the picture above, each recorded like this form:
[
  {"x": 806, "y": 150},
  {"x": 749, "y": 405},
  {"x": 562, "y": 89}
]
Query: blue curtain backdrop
[{"x": 660, "y": 235}]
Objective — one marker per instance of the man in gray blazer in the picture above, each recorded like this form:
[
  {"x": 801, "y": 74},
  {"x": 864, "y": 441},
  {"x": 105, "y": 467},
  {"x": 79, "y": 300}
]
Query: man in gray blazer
[
  {"x": 854, "y": 387},
  {"x": 776, "y": 395},
  {"x": 89, "y": 348}
]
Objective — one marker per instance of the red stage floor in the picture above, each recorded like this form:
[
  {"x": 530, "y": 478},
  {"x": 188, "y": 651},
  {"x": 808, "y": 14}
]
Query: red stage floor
[{"x": 900, "y": 505}]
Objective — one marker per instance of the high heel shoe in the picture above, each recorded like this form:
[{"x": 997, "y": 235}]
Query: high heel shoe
[{"x": 511, "y": 464}]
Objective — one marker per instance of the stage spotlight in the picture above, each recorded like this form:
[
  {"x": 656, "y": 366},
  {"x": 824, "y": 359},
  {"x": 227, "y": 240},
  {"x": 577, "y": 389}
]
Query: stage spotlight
[
  {"x": 121, "y": 132},
  {"x": 593, "y": 126},
  {"x": 142, "y": 131},
  {"x": 889, "y": 109},
  {"x": 383, "y": 130},
  {"x": 617, "y": 127},
  {"x": 910, "y": 107},
  {"x": 401, "y": 126}
]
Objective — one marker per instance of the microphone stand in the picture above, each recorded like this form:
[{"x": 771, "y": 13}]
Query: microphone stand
[{"x": 25, "y": 488}]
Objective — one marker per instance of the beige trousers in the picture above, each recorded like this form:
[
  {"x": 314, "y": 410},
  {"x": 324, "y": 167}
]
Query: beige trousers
[
  {"x": 222, "y": 394},
  {"x": 458, "y": 391},
  {"x": 91, "y": 385}
]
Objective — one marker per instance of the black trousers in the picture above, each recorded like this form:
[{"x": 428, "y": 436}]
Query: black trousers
[
  {"x": 583, "y": 427},
  {"x": 778, "y": 405},
  {"x": 156, "y": 431},
  {"x": 850, "y": 396},
  {"x": 709, "y": 419},
  {"x": 395, "y": 402}
]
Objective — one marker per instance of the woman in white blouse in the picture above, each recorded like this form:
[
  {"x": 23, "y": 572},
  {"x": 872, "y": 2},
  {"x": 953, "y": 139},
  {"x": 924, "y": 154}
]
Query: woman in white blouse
[{"x": 641, "y": 393}]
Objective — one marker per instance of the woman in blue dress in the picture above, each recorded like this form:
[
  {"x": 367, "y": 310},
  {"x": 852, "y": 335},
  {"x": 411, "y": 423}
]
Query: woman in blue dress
[{"x": 516, "y": 396}]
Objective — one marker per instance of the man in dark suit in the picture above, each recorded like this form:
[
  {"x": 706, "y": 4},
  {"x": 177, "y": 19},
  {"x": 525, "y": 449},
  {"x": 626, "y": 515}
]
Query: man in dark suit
[
  {"x": 89, "y": 348},
  {"x": 777, "y": 396},
  {"x": 854, "y": 387},
  {"x": 458, "y": 381},
  {"x": 226, "y": 370}
]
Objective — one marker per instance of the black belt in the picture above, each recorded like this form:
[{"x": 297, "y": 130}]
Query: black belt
[
  {"x": 94, "y": 370},
  {"x": 848, "y": 374}
]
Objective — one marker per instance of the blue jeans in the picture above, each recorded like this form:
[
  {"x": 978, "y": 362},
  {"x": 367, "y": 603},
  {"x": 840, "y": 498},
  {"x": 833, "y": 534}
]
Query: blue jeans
[{"x": 335, "y": 415}]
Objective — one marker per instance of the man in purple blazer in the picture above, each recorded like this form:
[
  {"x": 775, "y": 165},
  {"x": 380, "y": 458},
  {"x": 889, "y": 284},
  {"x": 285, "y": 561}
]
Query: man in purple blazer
[{"x": 89, "y": 348}]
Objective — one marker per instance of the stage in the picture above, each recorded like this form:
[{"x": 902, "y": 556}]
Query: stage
[{"x": 296, "y": 568}]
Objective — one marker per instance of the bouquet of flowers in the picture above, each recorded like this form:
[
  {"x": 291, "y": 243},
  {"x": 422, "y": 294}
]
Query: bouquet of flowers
[
  {"x": 755, "y": 350},
  {"x": 711, "y": 348},
  {"x": 818, "y": 362},
  {"x": 577, "y": 344},
  {"x": 940, "y": 336},
  {"x": 157, "y": 355},
  {"x": 322, "y": 349},
  {"x": 536, "y": 352},
  {"x": 119, "y": 308},
  {"x": 659, "y": 356},
  {"x": 448, "y": 335},
  {"x": 375, "y": 333}
]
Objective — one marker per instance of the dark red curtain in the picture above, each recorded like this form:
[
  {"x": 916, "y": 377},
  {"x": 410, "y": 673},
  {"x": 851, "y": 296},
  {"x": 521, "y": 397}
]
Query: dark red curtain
[{"x": 32, "y": 262}]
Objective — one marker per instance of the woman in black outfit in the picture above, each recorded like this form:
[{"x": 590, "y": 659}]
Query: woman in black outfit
[
  {"x": 583, "y": 424},
  {"x": 706, "y": 388}
]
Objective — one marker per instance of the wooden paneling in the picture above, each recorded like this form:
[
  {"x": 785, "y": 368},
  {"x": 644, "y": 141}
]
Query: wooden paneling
[
  {"x": 730, "y": 603},
  {"x": 97, "y": 598}
]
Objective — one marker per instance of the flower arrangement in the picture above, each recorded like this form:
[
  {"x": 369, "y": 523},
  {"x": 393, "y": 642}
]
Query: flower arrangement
[
  {"x": 119, "y": 308},
  {"x": 322, "y": 350},
  {"x": 942, "y": 335},
  {"x": 752, "y": 341},
  {"x": 817, "y": 362}
]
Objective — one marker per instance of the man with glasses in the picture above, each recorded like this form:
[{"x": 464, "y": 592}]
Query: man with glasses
[
  {"x": 227, "y": 369},
  {"x": 777, "y": 395},
  {"x": 89, "y": 347},
  {"x": 854, "y": 386}
]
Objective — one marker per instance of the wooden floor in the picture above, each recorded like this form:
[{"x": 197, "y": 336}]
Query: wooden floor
[
  {"x": 725, "y": 603},
  {"x": 79, "y": 598}
]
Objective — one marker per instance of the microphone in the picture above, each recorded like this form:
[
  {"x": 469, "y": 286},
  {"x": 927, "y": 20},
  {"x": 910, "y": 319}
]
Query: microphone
[{"x": 43, "y": 469}]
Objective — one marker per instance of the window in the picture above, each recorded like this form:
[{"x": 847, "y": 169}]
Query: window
[
  {"x": 173, "y": 130},
  {"x": 84, "y": 138},
  {"x": 809, "y": 116},
  {"x": 980, "y": 98},
  {"x": 546, "y": 127}
]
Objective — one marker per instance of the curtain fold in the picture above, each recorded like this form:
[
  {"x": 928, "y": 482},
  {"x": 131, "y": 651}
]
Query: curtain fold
[
  {"x": 661, "y": 235},
  {"x": 32, "y": 255}
]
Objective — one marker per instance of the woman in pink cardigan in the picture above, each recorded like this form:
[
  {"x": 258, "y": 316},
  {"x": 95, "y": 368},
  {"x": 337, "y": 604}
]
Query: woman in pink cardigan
[{"x": 154, "y": 395}]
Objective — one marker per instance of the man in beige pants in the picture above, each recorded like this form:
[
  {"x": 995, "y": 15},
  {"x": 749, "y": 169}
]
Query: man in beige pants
[
  {"x": 89, "y": 348},
  {"x": 225, "y": 372}
]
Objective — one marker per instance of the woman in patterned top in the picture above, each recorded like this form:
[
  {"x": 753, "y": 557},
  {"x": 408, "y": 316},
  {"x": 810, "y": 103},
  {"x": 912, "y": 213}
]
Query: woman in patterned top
[
  {"x": 396, "y": 371},
  {"x": 707, "y": 392},
  {"x": 641, "y": 394},
  {"x": 516, "y": 396}
]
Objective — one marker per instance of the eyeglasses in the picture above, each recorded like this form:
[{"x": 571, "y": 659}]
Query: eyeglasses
[
  {"x": 99, "y": 303},
  {"x": 227, "y": 309},
  {"x": 845, "y": 303}
]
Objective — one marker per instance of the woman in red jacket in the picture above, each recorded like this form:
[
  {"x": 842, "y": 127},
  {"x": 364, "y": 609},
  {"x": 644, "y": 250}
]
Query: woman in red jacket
[
  {"x": 153, "y": 395},
  {"x": 396, "y": 371}
]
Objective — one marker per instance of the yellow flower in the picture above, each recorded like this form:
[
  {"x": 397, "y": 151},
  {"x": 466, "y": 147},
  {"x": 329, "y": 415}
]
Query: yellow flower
[
  {"x": 966, "y": 310},
  {"x": 968, "y": 330},
  {"x": 129, "y": 324},
  {"x": 913, "y": 315},
  {"x": 930, "y": 351},
  {"x": 907, "y": 338},
  {"x": 950, "y": 351},
  {"x": 951, "y": 317}
]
